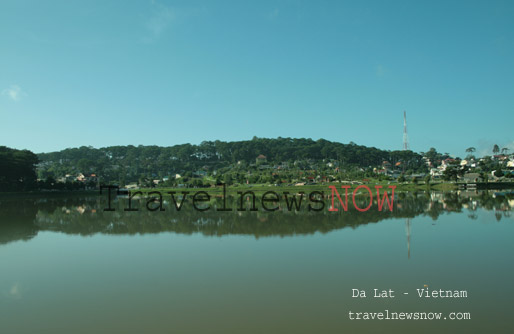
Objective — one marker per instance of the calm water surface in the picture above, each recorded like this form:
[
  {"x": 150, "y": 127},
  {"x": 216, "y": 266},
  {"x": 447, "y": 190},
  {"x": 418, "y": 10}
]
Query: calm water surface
[{"x": 68, "y": 267}]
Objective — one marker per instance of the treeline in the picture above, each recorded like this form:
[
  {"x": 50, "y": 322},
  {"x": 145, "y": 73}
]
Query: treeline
[
  {"x": 17, "y": 169},
  {"x": 130, "y": 162}
]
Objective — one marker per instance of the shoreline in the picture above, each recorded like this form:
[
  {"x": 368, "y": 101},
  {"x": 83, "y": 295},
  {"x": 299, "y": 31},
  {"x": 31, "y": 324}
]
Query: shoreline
[{"x": 260, "y": 188}]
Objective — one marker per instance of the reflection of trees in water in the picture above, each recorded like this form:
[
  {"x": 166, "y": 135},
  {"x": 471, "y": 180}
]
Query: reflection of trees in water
[
  {"x": 211, "y": 222},
  {"x": 17, "y": 220},
  {"x": 21, "y": 219}
]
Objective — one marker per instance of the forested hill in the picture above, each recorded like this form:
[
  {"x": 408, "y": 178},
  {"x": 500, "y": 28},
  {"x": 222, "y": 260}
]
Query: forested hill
[{"x": 131, "y": 162}]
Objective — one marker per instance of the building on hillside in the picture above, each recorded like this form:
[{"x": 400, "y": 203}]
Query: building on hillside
[
  {"x": 471, "y": 177},
  {"x": 200, "y": 173},
  {"x": 87, "y": 178},
  {"x": 447, "y": 161},
  {"x": 500, "y": 157},
  {"x": 436, "y": 173},
  {"x": 261, "y": 159}
]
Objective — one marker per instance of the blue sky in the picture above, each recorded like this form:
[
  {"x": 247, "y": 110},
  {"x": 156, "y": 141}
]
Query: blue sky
[{"x": 104, "y": 73}]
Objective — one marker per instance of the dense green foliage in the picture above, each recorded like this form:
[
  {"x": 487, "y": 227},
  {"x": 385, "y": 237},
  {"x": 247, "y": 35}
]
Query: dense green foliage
[
  {"x": 17, "y": 169},
  {"x": 130, "y": 163}
]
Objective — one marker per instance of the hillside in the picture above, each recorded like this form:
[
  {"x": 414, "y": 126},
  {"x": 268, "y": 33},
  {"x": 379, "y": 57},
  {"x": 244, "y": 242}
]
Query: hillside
[{"x": 131, "y": 163}]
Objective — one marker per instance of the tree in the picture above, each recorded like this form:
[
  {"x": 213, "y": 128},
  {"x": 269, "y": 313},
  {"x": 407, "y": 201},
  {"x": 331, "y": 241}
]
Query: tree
[
  {"x": 496, "y": 149},
  {"x": 17, "y": 169},
  {"x": 470, "y": 149},
  {"x": 505, "y": 150},
  {"x": 484, "y": 176},
  {"x": 228, "y": 179},
  {"x": 451, "y": 173}
]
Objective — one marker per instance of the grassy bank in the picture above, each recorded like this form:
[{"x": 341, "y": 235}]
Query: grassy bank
[
  {"x": 261, "y": 188},
  {"x": 48, "y": 194}
]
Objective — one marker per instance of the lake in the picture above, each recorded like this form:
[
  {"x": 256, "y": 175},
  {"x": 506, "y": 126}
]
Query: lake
[{"x": 69, "y": 267}]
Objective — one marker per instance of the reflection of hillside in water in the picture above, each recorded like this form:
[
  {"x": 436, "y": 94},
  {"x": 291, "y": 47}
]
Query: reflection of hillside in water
[{"x": 21, "y": 219}]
